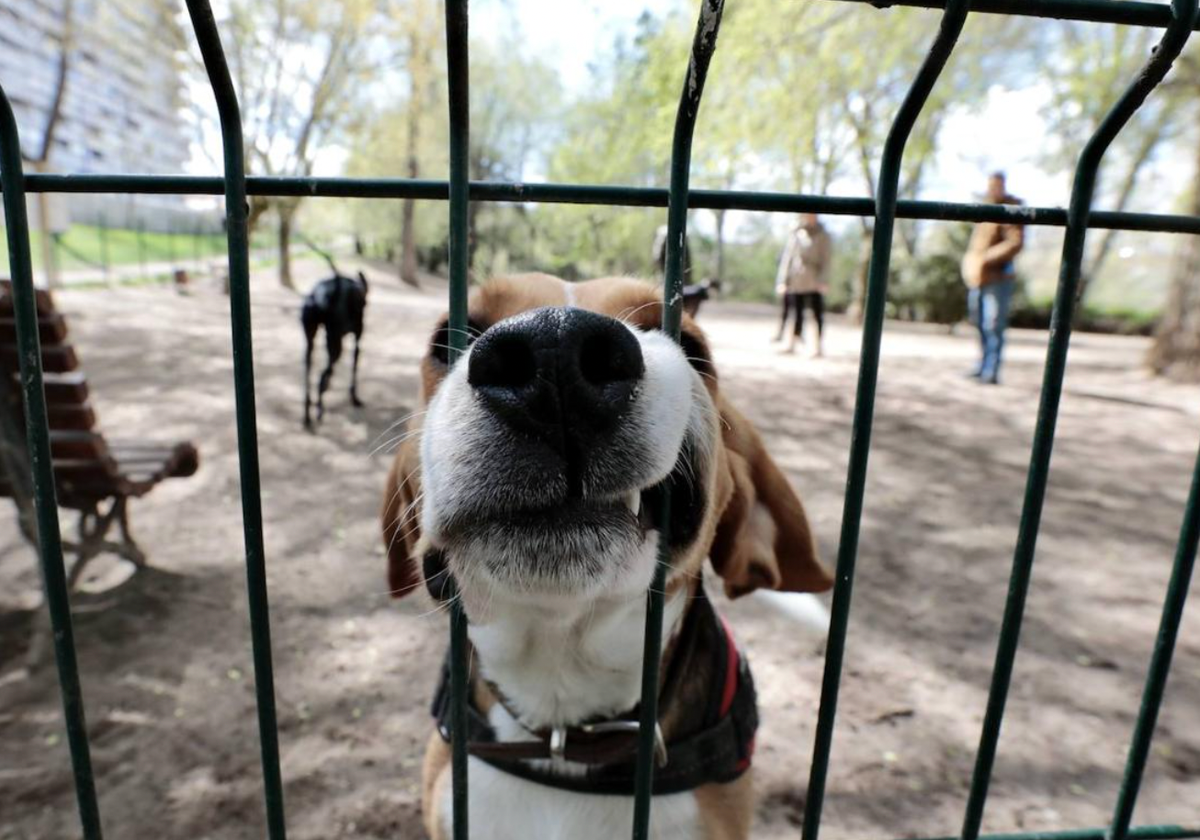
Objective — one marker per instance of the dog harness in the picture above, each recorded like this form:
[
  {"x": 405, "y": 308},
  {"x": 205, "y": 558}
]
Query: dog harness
[{"x": 718, "y": 750}]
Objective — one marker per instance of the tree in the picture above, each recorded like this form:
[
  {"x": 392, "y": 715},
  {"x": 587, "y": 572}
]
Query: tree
[
  {"x": 1176, "y": 346},
  {"x": 419, "y": 28},
  {"x": 799, "y": 98},
  {"x": 1090, "y": 67},
  {"x": 299, "y": 67}
]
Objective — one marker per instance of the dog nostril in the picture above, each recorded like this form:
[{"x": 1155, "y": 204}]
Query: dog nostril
[
  {"x": 505, "y": 360},
  {"x": 603, "y": 361}
]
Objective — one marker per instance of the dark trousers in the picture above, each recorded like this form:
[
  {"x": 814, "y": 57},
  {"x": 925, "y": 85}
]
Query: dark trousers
[{"x": 797, "y": 302}]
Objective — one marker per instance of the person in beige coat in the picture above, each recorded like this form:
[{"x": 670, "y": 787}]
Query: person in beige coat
[
  {"x": 803, "y": 279},
  {"x": 988, "y": 270}
]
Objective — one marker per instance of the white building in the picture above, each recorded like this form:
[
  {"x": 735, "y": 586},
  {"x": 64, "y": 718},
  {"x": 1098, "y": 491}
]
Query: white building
[{"x": 121, "y": 110}]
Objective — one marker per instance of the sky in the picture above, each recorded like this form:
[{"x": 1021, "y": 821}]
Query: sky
[{"x": 567, "y": 33}]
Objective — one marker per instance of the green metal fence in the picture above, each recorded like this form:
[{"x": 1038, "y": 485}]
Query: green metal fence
[{"x": 1177, "y": 20}]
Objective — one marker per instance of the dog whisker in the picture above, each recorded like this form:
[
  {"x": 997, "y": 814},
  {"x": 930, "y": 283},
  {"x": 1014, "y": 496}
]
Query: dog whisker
[{"x": 399, "y": 422}]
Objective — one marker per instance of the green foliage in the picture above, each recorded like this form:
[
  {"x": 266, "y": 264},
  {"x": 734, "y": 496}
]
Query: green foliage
[{"x": 929, "y": 287}]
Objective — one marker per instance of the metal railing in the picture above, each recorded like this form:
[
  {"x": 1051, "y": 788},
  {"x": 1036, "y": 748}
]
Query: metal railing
[{"x": 1178, "y": 20}]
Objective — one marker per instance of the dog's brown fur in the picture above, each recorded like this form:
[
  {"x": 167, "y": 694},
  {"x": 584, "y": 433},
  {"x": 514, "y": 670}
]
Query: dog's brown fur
[{"x": 755, "y": 530}]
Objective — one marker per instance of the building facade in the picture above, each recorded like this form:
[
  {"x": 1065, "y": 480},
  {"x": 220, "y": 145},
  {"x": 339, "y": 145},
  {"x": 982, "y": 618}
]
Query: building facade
[{"x": 121, "y": 108}]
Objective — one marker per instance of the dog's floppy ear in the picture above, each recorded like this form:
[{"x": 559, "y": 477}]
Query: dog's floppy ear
[
  {"x": 763, "y": 539},
  {"x": 401, "y": 519}
]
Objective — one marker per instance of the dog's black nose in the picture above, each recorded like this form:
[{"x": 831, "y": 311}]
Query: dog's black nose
[{"x": 564, "y": 375}]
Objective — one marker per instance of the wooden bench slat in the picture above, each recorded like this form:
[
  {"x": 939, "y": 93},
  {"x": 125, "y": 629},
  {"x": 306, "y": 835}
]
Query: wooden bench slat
[
  {"x": 75, "y": 418},
  {"x": 77, "y": 446},
  {"x": 57, "y": 359},
  {"x": 45, "y": 303},
  {"x": 52, "y": 329},
  {"x": 62, "y": 389}
]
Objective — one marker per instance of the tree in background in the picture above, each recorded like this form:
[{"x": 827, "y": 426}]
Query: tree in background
[
  {"x": 419, "y": 30},
  {"x": 300, "y": 67},
  {"x": 838, "y": 119},
  {"x": 800, "y": 98},
  {"x": 1091, "y": 66},
  {"x": 515, "y": 103},
  {"x": 1176, "y": 347}
]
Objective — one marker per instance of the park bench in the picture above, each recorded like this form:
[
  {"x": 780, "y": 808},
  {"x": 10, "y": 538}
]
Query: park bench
[{"x": 93, "y": 475}]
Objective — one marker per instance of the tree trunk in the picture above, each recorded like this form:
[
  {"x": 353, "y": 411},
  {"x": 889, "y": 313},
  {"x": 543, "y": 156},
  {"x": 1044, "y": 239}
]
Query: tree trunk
[
  {"x": 857, "y": 308},
  {"x": 49, "y": 263},
  {"x": 408, "y": 237},
  {"x": 1176, "y": 347},
  {"x": 285, "y": 246},
  {"x": 1124, "y": 194},
  {"x": 472, "y": 239}
]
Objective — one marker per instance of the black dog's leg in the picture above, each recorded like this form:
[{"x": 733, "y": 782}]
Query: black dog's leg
[
  {"x": 310, "y": 334},
  {"x": 354, "y": 373},
  {"x": 333, "y": 347}
]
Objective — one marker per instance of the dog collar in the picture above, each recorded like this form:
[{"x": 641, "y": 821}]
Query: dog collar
[{"x": 719, "y": 751}]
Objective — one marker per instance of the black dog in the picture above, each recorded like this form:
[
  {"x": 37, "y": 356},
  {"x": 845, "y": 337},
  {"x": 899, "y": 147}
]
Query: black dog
[
  {"x": 336, "y": 303},
  {"x": 695, "y": 294}
]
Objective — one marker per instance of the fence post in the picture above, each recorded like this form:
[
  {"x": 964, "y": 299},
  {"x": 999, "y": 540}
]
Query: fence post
[
  {"x": 1082, "y": 192},
  {"x": 886, "y": 199},
  {"x": 236, "y": 210},
  {"x": 1160, "y": 662},
  {"x": 37, "y": 438},
  {"x": 704, "y": 44},
  {"x": 458, "y": 94}
]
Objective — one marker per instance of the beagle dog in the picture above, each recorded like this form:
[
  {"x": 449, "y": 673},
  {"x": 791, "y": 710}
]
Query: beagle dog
[{"x": 531, "y": 488}]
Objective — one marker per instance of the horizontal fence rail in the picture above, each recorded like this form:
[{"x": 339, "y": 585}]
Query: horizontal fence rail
[
  {"x": 1125, "y": 12},
  {"x": 596, "y": 194},
  {"x": 1178, "y": 20}
]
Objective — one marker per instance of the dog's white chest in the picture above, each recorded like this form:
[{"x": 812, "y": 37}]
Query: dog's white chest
[{"x": 505, "y": 807}]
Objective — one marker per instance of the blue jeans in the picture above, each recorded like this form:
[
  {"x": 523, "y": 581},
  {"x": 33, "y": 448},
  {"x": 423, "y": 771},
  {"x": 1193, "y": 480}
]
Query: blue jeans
[{"x": 989, "y": 312}]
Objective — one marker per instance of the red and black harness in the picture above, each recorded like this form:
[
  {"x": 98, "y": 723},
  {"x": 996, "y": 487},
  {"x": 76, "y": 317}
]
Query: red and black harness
[{"x": 716, "y": 745}]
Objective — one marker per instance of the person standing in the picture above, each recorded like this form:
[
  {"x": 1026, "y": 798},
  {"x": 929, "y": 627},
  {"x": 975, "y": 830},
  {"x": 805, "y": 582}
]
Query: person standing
[
  {"x": 803, "y": 279},
  {"x": 990, "y": 275}
]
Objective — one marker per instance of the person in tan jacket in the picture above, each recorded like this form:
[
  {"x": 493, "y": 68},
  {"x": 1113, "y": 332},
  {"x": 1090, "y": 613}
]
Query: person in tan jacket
[
  {"x": 988, "y": 270},
  {"x": 803, "y": 278}
]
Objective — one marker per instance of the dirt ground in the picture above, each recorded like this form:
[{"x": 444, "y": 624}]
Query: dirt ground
[{"x": 165, "y": 656}]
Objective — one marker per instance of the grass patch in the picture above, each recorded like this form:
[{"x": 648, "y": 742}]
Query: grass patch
[{"x": 90, "y": 246}]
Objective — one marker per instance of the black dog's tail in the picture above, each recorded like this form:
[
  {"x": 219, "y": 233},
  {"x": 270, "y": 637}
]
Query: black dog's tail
[
  {"x": 362, "y": 278},
  {"x": 323, "y": 254}
]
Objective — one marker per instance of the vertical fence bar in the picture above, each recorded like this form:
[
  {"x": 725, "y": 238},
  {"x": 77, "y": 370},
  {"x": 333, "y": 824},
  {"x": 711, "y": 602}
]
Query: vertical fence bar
[
  {"x": 459, "y": 95},
  {"x": 1160, "y": 661},
  {"x": 1082, "y": 192},
  {"x": 236, "y": 210},
  {"x": 952, "y": 22},
  {"x": 704, "y": 44},
  {"x": 37, "y": 437}
]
